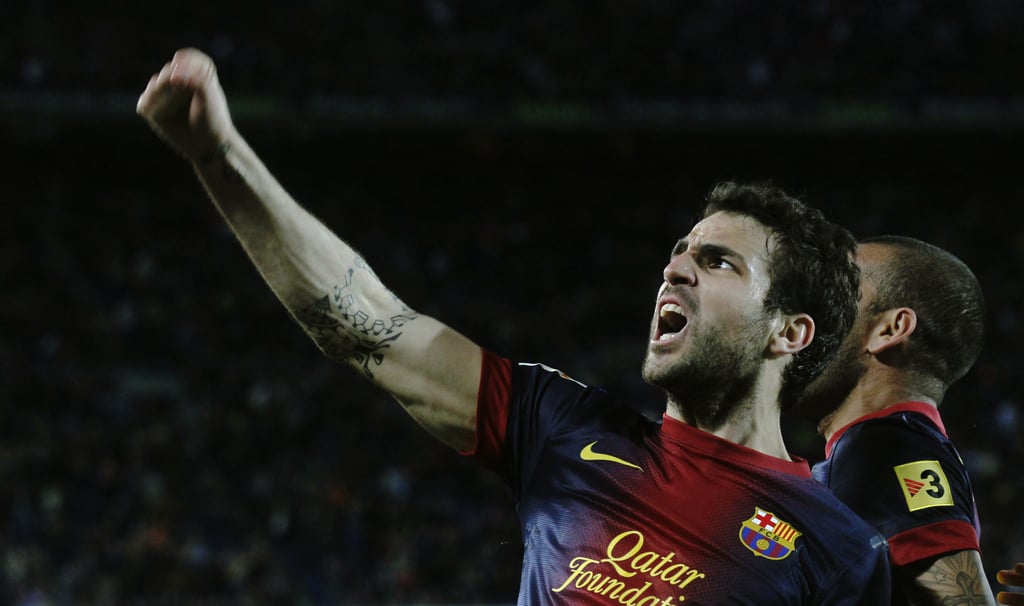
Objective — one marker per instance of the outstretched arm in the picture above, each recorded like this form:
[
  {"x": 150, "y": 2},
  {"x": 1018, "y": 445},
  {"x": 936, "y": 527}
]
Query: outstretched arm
[
  {"x": 956, "y": 578},
  {"x": 323, "y": 282}
]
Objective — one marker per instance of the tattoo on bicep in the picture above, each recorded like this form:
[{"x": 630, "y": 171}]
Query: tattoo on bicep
[
  {"x": 957, "y": 580},
  {"x": 345, "y": 331}
]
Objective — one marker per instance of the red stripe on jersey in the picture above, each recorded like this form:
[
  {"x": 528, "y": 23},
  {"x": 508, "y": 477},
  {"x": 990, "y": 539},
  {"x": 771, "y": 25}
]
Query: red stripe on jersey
[
  {"x": 492, "y": 402},
  {"x": 932, "y": 540}
]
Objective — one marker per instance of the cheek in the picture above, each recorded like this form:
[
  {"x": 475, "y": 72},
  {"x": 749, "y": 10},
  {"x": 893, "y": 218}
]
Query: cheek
[{"x": 735, "y": 307}]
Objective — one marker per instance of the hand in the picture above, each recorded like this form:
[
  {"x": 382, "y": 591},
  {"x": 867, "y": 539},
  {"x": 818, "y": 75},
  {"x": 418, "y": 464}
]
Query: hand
[
  {"x": 1013, "y": 578},
  {"x": 185, "y": 105}
]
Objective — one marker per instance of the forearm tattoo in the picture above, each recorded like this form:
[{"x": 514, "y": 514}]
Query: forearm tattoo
[{"x": 346, "y": 331}]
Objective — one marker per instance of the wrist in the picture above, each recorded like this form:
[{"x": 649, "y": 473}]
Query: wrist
[
  {"x": 212, "y": 156},
  {"x": 215, "y": 150}
]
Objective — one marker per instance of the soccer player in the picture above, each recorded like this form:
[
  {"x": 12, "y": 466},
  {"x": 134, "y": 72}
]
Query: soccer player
[
  {"x": 705, "y": 507},
  {"x": 919, "y": 328}
]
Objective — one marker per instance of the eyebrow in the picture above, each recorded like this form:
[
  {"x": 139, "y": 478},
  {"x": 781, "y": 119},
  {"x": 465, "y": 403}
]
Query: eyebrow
[{"x": 708, "y": 250}]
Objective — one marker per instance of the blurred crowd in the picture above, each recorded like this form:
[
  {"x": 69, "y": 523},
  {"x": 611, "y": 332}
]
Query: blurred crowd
[
  {"x": 492, "y": 50},
  {"x": 170, "y": 436}
]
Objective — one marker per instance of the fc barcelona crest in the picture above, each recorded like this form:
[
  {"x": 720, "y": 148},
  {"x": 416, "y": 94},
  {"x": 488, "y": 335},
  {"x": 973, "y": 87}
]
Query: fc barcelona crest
[{"x": 768, "y": 536}]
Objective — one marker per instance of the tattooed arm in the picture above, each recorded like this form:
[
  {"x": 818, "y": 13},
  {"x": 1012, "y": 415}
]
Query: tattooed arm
[
  {"x": 339, "y": 301},
  {"x": 955, "y": 579}
]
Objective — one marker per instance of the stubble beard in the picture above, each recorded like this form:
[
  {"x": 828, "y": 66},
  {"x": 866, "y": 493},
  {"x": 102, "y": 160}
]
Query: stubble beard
[
  {"x": 823, "y": 395},
  {"x": 714, "y": 377}
]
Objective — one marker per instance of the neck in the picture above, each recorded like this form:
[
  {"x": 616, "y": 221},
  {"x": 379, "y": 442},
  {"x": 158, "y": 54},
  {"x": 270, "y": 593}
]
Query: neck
[
  {"x": 870, "y": 397},
  {"x": 755, "y": 424}
]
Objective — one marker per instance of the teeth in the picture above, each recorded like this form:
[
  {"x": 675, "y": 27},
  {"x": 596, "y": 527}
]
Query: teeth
[
  {"x": 671, "y": 308},
  {"x": 673, "y": 320}
]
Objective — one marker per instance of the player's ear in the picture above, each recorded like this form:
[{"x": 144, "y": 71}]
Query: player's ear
[
  {"x": 792, "y": 334},
  {"x": 891, "y": 328}
]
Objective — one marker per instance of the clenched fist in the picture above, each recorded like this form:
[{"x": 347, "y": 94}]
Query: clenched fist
[{"x": 185, "y": 104}]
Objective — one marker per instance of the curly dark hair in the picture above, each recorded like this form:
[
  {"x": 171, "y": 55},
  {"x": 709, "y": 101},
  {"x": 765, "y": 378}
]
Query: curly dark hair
[{"x": 812, "y": 270}]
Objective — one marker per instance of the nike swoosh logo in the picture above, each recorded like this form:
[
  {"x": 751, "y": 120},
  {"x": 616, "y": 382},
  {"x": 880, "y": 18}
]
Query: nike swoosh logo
[{"x": 588, "y": 454}]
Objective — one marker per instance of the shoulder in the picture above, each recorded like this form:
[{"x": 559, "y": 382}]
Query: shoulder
[
  {"x": 826, "y": 518},
  {"x": 540, "y": 373},
  {"x": 540, "y": 389},
  {"x": 892, "y": 437},
  {"x": 841, "y": 545}
]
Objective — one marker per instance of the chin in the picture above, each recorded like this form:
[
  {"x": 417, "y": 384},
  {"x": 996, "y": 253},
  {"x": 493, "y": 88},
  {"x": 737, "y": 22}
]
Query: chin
[
  {"x": 649, "y": 371},
  {"x": 816, "y": 404}
]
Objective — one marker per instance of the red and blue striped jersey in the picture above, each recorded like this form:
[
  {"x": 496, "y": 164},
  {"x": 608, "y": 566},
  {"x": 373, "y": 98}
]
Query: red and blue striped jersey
[{"x": 617, "y": 508}]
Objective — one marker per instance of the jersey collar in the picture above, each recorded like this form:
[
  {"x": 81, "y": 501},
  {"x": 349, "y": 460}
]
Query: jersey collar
[
  {"x": 721, "y": 449},
  {"x": 928, "y": 410}
]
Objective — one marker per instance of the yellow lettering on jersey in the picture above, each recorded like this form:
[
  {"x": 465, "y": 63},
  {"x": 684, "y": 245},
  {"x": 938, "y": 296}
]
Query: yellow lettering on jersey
[
  {"x": 613, "y": 576},
  {"x": 924, "y": 485}
]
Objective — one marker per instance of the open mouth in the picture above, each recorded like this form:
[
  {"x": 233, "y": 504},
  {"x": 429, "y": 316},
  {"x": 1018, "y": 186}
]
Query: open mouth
[{"x": 671, "y": 321}]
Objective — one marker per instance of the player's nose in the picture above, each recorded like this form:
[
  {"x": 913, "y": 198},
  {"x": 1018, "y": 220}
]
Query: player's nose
[{"x": 680, "y": 270}]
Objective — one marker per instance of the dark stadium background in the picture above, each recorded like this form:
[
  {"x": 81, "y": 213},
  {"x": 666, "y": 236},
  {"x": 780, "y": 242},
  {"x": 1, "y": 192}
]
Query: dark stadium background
[{"x": 519, "y": 169}]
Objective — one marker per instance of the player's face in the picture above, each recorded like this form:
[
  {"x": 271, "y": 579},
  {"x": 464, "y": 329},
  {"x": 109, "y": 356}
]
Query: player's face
[{"x": 710, "y": 330}]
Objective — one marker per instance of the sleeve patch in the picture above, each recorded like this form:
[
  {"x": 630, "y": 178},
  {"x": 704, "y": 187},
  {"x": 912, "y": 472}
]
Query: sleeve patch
[{"x": 924, "y": 485}]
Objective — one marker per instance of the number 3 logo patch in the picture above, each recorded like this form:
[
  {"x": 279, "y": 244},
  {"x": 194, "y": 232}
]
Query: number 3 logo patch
[{"x": 924, "y": 485}]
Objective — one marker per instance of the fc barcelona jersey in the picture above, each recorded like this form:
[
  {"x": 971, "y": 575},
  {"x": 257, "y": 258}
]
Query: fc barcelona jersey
[
  {"x": 899, "y": 471},
  {"x": 618, "y": 509}
]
